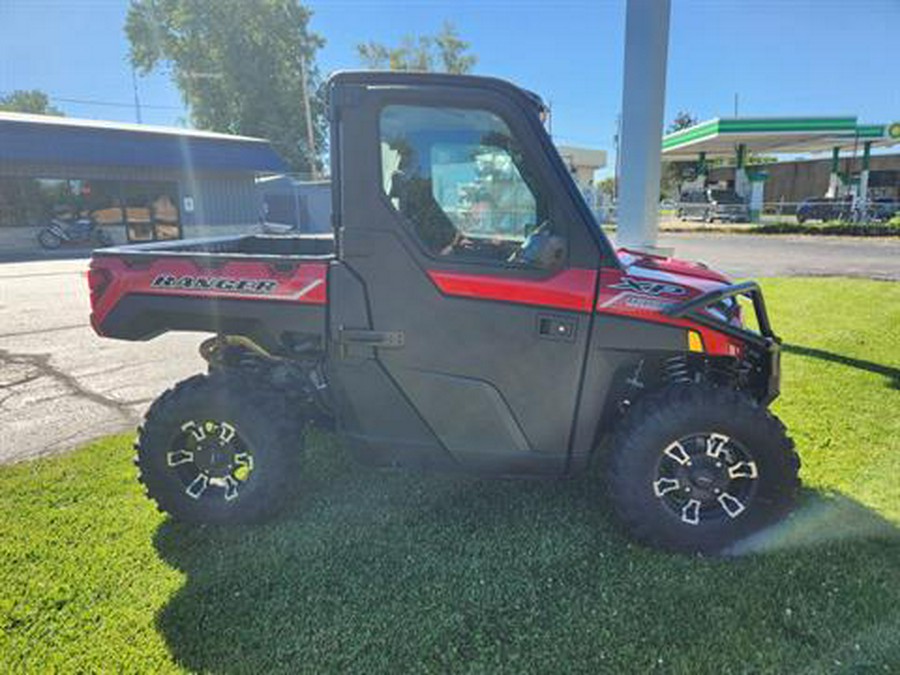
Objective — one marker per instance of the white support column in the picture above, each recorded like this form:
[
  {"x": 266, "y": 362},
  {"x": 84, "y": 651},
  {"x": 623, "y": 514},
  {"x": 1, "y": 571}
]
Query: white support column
[
  {"x": 864, "y": 177},
  {"x": 757, "y": 197},
  {"x": 741, "y": 180},
  {"x": 834, "y": 178},
  {"x": 643, "y": 101}
]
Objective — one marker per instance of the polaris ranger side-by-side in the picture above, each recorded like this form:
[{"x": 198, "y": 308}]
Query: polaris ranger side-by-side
[{"x": 468, "y": 313}]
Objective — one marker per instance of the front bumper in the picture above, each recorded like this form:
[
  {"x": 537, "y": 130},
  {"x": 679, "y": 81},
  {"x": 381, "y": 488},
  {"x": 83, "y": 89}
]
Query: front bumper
[{"x": 763, "y": 348}]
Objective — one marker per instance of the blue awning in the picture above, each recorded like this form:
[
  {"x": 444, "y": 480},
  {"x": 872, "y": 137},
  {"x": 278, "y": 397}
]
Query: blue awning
[{"x": 80, "y": 143}]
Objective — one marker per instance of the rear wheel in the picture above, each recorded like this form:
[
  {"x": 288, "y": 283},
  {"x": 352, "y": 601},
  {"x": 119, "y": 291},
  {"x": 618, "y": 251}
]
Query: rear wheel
[
  {"x": 697, "y": 468},
  {"x": 215, "y": 450}
]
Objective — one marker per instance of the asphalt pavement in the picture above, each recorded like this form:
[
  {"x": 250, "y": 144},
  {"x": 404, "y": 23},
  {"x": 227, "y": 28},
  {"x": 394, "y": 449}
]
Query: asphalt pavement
[
  {"x": 61, "y": 385},
  {"x": 745, "y": 255}
]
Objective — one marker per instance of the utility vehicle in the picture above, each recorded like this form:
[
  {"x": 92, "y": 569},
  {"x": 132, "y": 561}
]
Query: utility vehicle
[
  {"x": 712, "y": 204},
  {"x": 468, "y": 314}
]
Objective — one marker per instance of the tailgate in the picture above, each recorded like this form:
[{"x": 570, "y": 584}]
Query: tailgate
[{"x": 137, "y": 298}]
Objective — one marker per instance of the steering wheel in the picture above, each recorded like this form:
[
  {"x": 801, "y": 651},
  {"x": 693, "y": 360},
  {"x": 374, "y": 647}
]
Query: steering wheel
[{"x": 529, "y": 251}]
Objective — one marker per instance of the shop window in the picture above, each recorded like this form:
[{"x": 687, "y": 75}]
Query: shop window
[
  {"x": 151, "y": 211},
  {"x": 19, "y": 202},
  {"x": 147, "y": 209},
  {"x": 101, "y": 201}
]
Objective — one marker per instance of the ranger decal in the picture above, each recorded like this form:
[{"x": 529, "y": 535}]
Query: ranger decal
[{"x": 224, "y": 284}]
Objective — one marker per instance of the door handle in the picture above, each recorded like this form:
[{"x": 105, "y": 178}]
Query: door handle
[{"x": 556, "y": 327}]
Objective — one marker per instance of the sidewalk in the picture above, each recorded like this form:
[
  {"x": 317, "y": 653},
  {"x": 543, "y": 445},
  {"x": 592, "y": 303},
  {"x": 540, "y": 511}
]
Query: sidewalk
[{"x": 72, "y": 253}]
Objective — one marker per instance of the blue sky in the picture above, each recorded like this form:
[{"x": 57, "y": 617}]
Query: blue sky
[{"x": 783, "y": 57}]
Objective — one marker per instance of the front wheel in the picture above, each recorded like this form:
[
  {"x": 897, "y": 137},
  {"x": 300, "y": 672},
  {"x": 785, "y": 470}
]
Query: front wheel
[
  {"x": 49, "y": 239},
  {"x": 697, "y": 468},
  {"x": 215, "y": 450}
]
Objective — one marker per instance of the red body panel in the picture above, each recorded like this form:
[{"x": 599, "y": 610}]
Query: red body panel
[
  {"x": 673, "y": 265},
  {"x": 571, "y": 289},
  {"x": 111, "y": 279},
  {"x": 646, "y": 286}
]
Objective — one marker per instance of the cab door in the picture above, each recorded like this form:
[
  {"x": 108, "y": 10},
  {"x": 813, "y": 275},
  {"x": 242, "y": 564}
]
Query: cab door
[{"x": 472, "y": 270}]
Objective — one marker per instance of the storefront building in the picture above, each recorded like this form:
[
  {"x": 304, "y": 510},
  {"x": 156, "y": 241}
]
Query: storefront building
[
  {"x": 855, "y": 170},
  {"x": 138, "y": 183},
  {"x": 791, "y": 182}
]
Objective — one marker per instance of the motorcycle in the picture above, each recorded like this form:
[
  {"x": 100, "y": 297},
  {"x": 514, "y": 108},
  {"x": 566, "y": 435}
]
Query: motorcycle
[{"x": 79, "y": 231}]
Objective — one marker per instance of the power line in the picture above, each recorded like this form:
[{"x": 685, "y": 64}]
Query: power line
[{"x": 112, "y": 104}]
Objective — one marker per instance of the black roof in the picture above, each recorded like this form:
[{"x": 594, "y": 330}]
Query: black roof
[
  {"x": 60, "y": 140},
  {"x": 415, "y": 78}
]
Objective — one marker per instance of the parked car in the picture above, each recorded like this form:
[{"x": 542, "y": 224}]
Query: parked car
[
  {"x": 883, "y": 209},
  {"x": 711, "y": 204},
  {"x": 667, "y": 205},
  {"x": 824, "y": 209}
]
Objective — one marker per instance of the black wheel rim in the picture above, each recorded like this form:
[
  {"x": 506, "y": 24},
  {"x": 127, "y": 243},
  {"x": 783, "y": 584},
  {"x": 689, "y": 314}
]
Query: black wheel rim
[
  {"x": 211, "y": 460},
  {"x": 706, "y": 478}
]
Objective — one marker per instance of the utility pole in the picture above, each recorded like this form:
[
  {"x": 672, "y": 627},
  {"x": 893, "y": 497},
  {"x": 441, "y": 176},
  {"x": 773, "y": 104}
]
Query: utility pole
[
  {"x": 307, "y": 109},
  {"x": 310, "y": 132},
  {"x": 137, "y": 101},
  {"x": 735, "y": 104}
]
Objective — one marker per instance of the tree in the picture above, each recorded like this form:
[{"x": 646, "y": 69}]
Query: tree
[
  {"x": 607, "y": 187},
  {"x": 673, "y": 171},
  {"x": 682, "y": 120},
  {"x": 445, "y": 51},
  {"x": 29, "y": 101},
  {"x": 240, "y": 67}
]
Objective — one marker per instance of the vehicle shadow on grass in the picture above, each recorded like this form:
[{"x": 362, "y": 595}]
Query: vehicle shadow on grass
[
  {"x": 893, "y": 374},
  {"x": 381, "y": 571}
]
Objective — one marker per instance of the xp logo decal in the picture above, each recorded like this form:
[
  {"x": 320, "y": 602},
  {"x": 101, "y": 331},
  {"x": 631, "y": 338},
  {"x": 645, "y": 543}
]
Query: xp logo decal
[
  {"x": 648, "y": 287},
  {"x": 223, "y": 284}
]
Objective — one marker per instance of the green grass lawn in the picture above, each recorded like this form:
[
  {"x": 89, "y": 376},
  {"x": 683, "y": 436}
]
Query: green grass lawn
[{"x": 374, "y": 571}]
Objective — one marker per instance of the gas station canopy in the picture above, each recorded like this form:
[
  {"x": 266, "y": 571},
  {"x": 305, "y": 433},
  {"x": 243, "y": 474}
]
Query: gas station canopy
[{"x": 721, "y": 137}]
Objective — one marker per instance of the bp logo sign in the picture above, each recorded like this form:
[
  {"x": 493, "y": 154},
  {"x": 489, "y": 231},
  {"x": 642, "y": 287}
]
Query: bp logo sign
[{"x": 894, "y": 130}]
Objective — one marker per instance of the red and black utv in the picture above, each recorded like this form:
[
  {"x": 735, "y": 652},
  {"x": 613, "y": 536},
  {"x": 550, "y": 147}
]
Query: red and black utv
[{"x": 468, "y": 313}]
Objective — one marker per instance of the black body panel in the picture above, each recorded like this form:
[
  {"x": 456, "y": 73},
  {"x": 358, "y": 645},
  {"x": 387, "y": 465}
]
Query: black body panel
[
  {"x": 618, "y": 345},
  {"x": 272, "y": 325},
  {"x": 376, "y": 418}
]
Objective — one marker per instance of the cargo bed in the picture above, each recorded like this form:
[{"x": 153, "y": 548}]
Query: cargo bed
[{"x": 272, "y": 289}]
